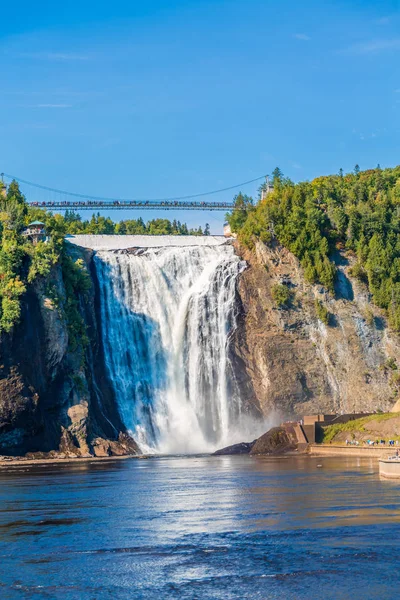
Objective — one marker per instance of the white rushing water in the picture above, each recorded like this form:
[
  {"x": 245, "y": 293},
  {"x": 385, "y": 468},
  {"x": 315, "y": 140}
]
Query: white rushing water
[{"x": 166, "y": 317}]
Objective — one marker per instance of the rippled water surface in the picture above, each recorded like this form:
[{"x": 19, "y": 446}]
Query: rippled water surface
[{"x": 200, "y": 528}]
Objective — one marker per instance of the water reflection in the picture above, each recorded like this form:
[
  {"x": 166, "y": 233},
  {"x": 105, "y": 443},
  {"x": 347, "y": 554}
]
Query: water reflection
[{"x": 199, "y": 527}]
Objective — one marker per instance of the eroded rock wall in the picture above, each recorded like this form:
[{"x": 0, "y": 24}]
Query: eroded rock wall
[{"x": 298, "y": 365}]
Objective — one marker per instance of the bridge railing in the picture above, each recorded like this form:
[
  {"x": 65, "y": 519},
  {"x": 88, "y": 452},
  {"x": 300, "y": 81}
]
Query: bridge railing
[{"x": 133, "y": 204}]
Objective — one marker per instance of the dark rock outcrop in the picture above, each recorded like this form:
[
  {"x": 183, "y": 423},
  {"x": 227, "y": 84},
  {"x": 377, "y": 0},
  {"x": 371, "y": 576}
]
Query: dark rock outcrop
[
  {"x": 276, "y": 441},
  {"x": 241, "y": 448}
]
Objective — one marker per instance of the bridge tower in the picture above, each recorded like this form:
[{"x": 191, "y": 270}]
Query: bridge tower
[{"x": 266, "y": 189}]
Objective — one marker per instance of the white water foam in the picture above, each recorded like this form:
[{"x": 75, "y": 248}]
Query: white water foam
[{"x": 166, "y": 318}]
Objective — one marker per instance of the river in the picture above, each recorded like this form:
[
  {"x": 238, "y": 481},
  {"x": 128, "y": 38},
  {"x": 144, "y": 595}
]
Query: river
[{"x": 200, "y": 528}]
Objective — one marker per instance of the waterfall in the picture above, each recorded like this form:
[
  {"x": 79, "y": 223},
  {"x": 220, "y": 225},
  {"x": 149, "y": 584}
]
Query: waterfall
[{"x": 166, "y": 317}]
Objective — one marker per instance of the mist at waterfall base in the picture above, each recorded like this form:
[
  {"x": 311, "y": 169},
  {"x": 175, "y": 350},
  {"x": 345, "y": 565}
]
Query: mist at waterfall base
[{"x": 167, "y": 315}]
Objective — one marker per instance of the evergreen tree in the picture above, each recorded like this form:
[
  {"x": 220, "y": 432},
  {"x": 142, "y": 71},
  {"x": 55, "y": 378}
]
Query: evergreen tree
[
  {"x": 358, "y": 212},
  {"x": 277, "y": 176}
]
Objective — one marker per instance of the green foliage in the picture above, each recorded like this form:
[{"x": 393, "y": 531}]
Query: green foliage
[
  {"x": 98, "y": 224},
  {"x": 10, "y": 305},
  {"x": 13, "y": 208},
  {"x": 395, "y": 379},
  {"x": 243, "y": 209},
  {"x": 391, "y": 364},
  {"x": 322, "y": 312},
  {"x": 12, "y": 213},
  {"x": 76, "y": 277},
  {"x": 369, "y": 316},
  {"x": 77, "y": 282},
  {"x": 43, "y": 257},
  {"x": 357, "y": 425},
  {"x": 22, "y": 262},
  {"x": 358, "y": 272},
  {"x": 358, "y": 211},
  {"x": 282, "y": 295}
]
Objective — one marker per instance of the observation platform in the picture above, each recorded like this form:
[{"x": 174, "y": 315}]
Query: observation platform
[{"x": 125, "y": 242}]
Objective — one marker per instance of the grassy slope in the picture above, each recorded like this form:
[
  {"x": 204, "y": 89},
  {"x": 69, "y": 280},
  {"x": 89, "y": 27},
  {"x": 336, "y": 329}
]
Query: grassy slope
[{"x": 370, "y": 427}]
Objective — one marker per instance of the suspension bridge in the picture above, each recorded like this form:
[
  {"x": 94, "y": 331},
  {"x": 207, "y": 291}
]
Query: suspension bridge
[
  {"x": 49, "y": 198},
  {"x": 132, "y": 204}
]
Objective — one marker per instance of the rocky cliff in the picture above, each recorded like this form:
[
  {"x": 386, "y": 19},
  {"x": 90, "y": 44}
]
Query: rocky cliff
[
  {"x": 295, "y": 364},
  {"x": 54, "y": 396}
]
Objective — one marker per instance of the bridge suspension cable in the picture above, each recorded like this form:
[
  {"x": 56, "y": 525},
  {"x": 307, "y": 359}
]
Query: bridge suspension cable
[{"x": 111, "y": 200}]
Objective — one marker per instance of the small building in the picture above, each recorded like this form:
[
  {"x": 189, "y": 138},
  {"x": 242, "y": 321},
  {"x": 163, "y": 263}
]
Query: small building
[
  {"x": 266, "y": 189},
  {"x": 36, "y": 232}
]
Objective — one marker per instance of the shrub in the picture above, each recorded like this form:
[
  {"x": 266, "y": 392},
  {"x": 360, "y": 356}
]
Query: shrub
[
  {"x": 395, "y": 378},
  {"x": 282, "y": 295},
  {"x": 391, "y": 364},
  {"x": 369, "y": 316},
  {"x": 322, "y": 312}
]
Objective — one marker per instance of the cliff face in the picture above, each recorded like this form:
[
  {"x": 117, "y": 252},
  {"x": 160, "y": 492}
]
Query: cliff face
[
  {"x": 298, "y": 365},
  {"x": 54, "y": 396}
]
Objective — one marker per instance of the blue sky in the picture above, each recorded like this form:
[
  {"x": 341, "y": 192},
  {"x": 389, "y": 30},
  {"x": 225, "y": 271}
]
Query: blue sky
[{"x": 163, "y": 98}]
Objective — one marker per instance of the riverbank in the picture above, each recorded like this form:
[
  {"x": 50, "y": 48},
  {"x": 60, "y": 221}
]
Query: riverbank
[{"x": 312, "y": 450}]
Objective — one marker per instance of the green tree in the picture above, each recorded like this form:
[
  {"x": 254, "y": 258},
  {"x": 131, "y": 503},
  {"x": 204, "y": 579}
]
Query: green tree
[
  {"x": 277, "y": 177},
  {"x": 243, "y": 205}
]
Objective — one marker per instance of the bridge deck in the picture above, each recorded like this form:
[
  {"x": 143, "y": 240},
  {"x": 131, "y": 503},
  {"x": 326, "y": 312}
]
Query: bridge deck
[
  {"x": 123, "y": 242},
  {"x": 133, "y": 204}
]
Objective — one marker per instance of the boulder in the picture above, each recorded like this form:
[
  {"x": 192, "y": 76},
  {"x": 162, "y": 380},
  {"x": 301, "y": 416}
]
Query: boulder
[
  {"x": 275, "y": 441},
  {"x": 124, "y": 446},
  {"x": 241, "y": 448}
]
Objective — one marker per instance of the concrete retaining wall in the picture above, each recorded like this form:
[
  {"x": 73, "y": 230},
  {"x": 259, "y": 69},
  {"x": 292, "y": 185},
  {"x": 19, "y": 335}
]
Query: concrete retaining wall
[{"x": 336, "y": 450}]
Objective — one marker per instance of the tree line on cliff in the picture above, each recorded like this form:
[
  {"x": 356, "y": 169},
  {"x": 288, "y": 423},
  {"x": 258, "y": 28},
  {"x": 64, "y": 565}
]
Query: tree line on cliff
[
  {"x": 22, "y": 262},
  {"x": 357, "y": 213}
]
